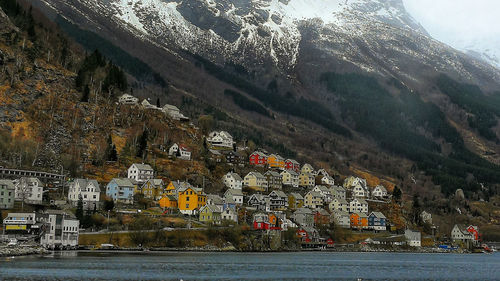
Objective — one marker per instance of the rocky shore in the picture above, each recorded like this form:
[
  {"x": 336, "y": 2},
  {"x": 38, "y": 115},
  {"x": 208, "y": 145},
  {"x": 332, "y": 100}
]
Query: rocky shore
[{"x": 22, "y": 251}]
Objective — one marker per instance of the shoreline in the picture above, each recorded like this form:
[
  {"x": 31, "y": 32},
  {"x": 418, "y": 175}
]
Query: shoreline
[{"x": 38, "y": 250}]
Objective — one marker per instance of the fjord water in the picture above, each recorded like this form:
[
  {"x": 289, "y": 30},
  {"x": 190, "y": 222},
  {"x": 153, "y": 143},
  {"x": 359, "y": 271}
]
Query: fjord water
[{"x": 251, "y": 266}]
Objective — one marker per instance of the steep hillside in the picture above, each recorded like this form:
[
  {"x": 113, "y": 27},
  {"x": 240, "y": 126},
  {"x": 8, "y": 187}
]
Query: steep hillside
[{"x": 357, "y": 83}]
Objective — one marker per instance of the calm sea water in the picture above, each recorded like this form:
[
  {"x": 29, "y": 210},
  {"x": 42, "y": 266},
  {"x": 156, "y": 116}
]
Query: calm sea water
[{"x": 251, "y": 266}]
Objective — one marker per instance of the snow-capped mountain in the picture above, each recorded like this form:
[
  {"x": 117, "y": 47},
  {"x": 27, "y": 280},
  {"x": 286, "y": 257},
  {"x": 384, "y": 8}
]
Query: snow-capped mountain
[
  {"x": 487, "y": 49},
  {"x": 377, "y": 36}
]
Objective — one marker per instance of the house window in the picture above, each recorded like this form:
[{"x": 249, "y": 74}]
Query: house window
[
  {"x": 187, "y": 206},
  {"x": 187, "y": 198}
]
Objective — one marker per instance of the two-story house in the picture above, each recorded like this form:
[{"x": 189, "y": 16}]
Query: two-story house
[
  {"x": 121, "y": 190},
  {"x": 88, "y": 190},
  {"x": 140, "y": 172},
  {"x": 233, "y": 180}
]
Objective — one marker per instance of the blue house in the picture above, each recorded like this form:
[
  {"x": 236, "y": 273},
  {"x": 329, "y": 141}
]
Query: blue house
[
  {"x": 121, "y": 190},
  {"x": 377, "y": 221}
]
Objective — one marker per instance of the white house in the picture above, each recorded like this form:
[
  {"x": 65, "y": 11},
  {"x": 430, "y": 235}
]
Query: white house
[
  {"x": 358, "y": 205},
  {"x": 127, "y": 99},
  {"x": 360, "y": 191},
  {"x": 140, "y": 172},
  {"x": 229, "y": 215},
  {"x": 147, "y": 105},
  {"x": 342, "y": 219},
  {"x": 173, "y": 112},
  {"x": 338, "y": 192},
  {"x": 379, "y": 191},
  {"x": 180, "y": 151},
  {"x": 413, "y": 238},
  {"x": 234, "y": 195},
  {"x": 86, "y": 189},
  {"x": 327, "y": 180},
  {"x": 325, "y": 192},
  {"x": 62, "y": 230},
  {"x": 233, "y": 180},
  {"x": 29, "y": 190},
  {"x": 220, "y": 139},
  {"x": 461, "y": 233}
]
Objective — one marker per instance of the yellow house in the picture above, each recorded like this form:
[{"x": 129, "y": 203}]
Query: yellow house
[
  {"x": 152, "y": 189},
  {"x": 173, "y": 188},
  {"x": 168, "y": 202},
  {"x": 210, "y": 214},
  {"x": 306, "y": 180},
  {"x": 191, "y": 199},
  {"x": 307, "y": 169},
  {"x": 276, "y": 161},
  {"x": 255, "y": 180},
  {"x": 295, "y": 201}
]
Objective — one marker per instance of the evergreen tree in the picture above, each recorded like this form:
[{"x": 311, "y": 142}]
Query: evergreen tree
[
  {"x": 158, "y": 104},
  {"x": 396, "y": 194},
  {"x": 79, "y": 210},
  {"x": 142, "y": 144},
  {"x": 109, "y": 205},
  {"x": 86, "y": 94}
]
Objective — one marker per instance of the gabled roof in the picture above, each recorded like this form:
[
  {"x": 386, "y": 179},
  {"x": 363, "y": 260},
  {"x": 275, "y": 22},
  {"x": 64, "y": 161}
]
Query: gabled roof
[
  {"x": 256, "y": 174},
  {"x": 297, "y": 195},
  {"x": 272, "y": 173},
  {"x": 235, "y": 176},
  {"x": 292, "y": 173},
  {"x": 259, "y": 197},
  {"x": 337, "y": 188},
  {"x": 279, "y": 193},
  {"x": 322, "y": 188},
  {"x": 341, "y": 200},
  {"x": 361, "y": 215},
  {"x": 381, "y": 187},
  {"x": 8, "y": 183},
  {"x": 315, "y": 193},
  {"x": 212, "y": 208},
  {"x": 378, "y": 215},
  {"x": 123, "y": 182},
  {"x": 170, "y": 107},
  {"x": 142, "y": 166},
  {"x": 216, "y": 199},
  {"x": 262, "y": 154},
  {"x": 233, "y": 192},
  {"x": 292, "y": 161},
  {"x": 83, "y": 183}
]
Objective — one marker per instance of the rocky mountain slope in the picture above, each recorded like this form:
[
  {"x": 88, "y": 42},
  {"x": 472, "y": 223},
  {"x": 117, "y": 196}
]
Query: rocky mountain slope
[
  {"x": 348, "y": 78},
  {"x": 375, "y": 36}
]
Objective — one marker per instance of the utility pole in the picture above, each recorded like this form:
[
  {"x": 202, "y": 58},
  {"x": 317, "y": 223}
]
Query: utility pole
[{"x": 107, "y": 228}]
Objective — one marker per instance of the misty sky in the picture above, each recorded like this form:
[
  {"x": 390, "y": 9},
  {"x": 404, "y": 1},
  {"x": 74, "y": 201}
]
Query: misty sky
[{"x": 456, "y": 20}]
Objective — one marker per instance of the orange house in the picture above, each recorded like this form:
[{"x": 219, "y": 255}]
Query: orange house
[
  {"x": 168, "y": 202},
  {"x": 274, "y": 222},
  {"x": 359, "y": 221},
  {"x": 191, "y": 199},
  {"x": 276, "y": 161}
]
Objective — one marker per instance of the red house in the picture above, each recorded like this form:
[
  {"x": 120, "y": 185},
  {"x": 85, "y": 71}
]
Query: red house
[
  {"x": 258, "y": 158},
  {"x": 261, "y": 222},
  {"x": 292, "y": 165},
  {"x": 474, "y": 230}
]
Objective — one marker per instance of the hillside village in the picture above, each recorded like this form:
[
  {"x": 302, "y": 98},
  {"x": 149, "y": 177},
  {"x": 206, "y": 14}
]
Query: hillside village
[
  {"x": 92, "y": 166},
  {"x": 275, "y": 195}
]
